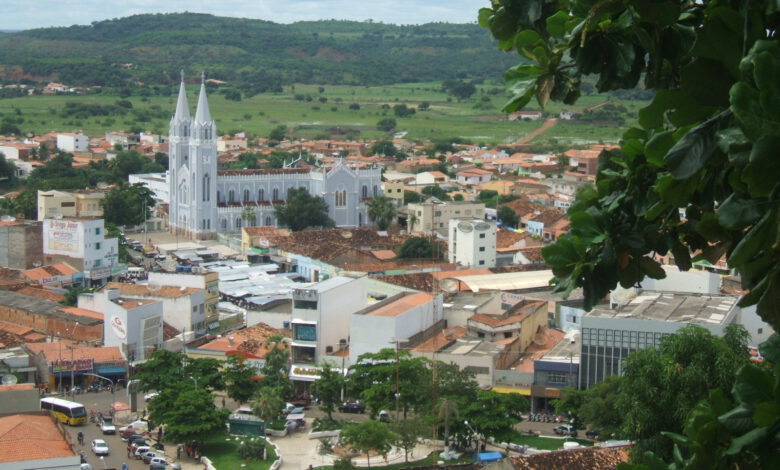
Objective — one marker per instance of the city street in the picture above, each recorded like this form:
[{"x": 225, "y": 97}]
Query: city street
[{"x": 100, "y": 402}]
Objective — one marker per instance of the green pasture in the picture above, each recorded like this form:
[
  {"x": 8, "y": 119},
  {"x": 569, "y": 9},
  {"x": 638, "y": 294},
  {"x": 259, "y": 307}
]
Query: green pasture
[{"x": 321, "y": 113}]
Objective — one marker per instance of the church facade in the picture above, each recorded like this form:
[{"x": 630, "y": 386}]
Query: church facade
[{"x": 205, "y": 200}]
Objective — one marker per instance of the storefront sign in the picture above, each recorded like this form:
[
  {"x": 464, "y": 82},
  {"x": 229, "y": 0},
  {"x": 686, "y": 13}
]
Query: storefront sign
[
  {"x": 76, "y": 365},
  {"x": 100, "y": 273},
  {"x": 306, "y": 371},
  {"x": 118, "y": 327}
]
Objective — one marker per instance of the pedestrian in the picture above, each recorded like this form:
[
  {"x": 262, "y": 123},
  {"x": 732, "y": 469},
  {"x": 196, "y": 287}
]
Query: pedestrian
[
  {"x": 178, "y": 451},
  {"x": 223, "y": 402}
]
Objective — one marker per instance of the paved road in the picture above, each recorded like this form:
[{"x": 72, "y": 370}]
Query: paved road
[{"x": 101, "y": 402}]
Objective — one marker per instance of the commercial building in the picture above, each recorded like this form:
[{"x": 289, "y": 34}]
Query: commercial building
[
  {"x": 21, "y": 244},
  {"x": 320, "y": 324},
  {"x": 472, "y": 242},
  {"x": 609, "y": 335},
  {"x": 62, "y": 364},
  {"x": 82, "y": 243},
  {"x": 183, "y": 307},
  {"x": 207, "y": 281},
  {"x": 134, "y": 326}
]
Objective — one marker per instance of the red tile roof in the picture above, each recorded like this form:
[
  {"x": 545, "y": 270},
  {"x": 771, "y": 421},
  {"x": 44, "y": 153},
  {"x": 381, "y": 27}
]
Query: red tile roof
[
  {"x": 26, "y": 437},
  {"x": 56, "y": 349},
  {"x": 586, "y": 458},
  {"x": 441, "y": 340},
  {"x": 402, "y": 305},
  {"x": 251, "y": 339}
]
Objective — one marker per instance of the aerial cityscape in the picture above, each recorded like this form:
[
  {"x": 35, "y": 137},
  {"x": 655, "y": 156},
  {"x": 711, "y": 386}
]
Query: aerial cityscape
[{"x": 507, "y": 234}]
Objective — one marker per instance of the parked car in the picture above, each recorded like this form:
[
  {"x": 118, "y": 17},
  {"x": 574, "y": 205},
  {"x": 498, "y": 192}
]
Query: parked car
[
  {"x": 593, "y": 433},
  {"x": 140, "y": 450},
  {"x": 158, "y": 461},
  {"x": 136, "y": 427},
  {"x": 565, "y": 430},
  {"x": 352, "y": 406},
  {"x": 107, "y": 426},
  {"x": 138, "y": 443},
  {"x": 99, "y": 447},
  {"x": 148, "y": 456}
]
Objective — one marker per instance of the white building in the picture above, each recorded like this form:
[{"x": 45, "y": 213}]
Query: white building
[
  {"x": 70, "y": 142},
  {"x": 183, "y": 307},
  {"x": 320, "y": 324},
  {"x": 156, "y": 182},
  {"x": 134, "y": 326},
  {"x": 395, "y": 319},
  {"x": 472, "y": 242},
  {"x": 83, "y": 244}
]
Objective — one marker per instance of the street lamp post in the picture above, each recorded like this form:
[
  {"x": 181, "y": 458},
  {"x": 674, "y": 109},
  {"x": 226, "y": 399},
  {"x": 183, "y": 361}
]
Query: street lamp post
[{"x": 397, "y": 377}]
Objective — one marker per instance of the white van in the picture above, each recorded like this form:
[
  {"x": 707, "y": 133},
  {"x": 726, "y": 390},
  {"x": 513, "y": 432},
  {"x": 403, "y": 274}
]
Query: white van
[{"x": 135, "y": 272}]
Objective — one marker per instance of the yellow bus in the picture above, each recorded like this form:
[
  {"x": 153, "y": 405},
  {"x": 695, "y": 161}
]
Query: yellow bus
[{"x": 68, "y": 412}]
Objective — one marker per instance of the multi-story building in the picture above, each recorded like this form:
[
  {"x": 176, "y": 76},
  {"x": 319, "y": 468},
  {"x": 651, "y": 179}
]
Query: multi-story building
[
  {"x": 320, "y": 324},
  {"x": 434, "y": 215},
  {"x": 157, "y": 184},
  {"x": 207, "y": 281},
  {"x": 21, "y": 244},
  {"x": 183, "y": 307},
  {"x": 472, "y": 242},
  {"x": 82, "y": 243},
  {"x": 204, "y": 201},
  {"x": 77, "y": 203},
  {"x": 70, "y": 142},
  {"x": 609, "y": 335},
  {"x": 133, "y": 325}
]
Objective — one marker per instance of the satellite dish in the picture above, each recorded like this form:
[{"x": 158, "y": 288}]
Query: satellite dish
[{"x": 9, "y": 379}]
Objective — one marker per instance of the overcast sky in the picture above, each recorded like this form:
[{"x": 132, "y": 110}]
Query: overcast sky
[{"x": 27, "y": 14}]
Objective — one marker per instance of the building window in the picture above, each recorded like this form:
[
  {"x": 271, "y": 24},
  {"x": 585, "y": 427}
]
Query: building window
[
  {"x": 364, "y": 193},
  {"x": 219, "y": 197},
  {"x": 96, "y": 263},
  {"x": 268, "y": 220},
  {"x": 67, "y": 204},
  {"x": 206, "y": 187},
  {"x": 261, "y": 195},
  {"x": 437, "y": 214},
  {"x": 305, "y": 332},
  {"x": 97, "y": 231},
  {"x": 481, "y": 248},
  {"x": 376, "y": 191},
  {"x": 481, "y": 262},
  {"x": 224, "y": 224},
  {"x": 341, "y": 198},
  {"x": 238, "y": 222},
  {"x": 97, "y": 245},
  {"x": 481, "y": 235},
  {"x": 305, "y": 304},
  {"x": 553, "y": 378},
  {"x": 231, "y": 196},
  {"x": 246, "y": 195},
  {"x": 275, "y": 194}
]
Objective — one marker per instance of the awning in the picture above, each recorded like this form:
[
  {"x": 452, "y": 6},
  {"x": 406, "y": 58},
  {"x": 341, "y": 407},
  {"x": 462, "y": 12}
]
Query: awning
[
  {"x": 261, "y": 251},
  {"x": 112, "y": 371},
  {"x": 521, "y": 391}
]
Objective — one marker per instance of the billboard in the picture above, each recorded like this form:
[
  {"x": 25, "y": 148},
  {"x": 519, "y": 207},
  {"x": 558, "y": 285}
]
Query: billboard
[{"x": 63, "y": 237}]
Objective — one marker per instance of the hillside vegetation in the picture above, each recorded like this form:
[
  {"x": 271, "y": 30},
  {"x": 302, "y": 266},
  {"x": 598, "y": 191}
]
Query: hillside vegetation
[{"x": 253, "y": 55}]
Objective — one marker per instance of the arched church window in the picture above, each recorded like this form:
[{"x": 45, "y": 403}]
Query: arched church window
[
  {"x": 238, "y": 222},
  {"x": 376, "y": 191},
  {"x": 224, "y": 224},
  {"x": 219, "y": 197},
  {"x": 261, "y": 195},
  {"x": 246, "y": 195},
  {"x": 268, "y": 220},
  {"x": 206, "y": 187},
  {"x": 275, "y": 194},
  {"x": 231, "y": 196},
  {"x": 365, "y": 192}
]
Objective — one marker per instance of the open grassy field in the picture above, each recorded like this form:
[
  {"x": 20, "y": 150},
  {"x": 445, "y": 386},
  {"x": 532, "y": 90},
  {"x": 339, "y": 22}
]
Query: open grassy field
[{"x": 315, "y": 111}]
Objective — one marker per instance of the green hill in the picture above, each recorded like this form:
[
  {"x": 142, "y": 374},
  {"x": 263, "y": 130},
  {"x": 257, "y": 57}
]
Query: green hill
[{"x": 253, "y": 55}]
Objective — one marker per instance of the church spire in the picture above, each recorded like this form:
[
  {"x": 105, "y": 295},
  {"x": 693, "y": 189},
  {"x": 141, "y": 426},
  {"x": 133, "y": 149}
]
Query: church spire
[
  {"x": 202, "y": 113},
  {"x": 182, "y": 107}
]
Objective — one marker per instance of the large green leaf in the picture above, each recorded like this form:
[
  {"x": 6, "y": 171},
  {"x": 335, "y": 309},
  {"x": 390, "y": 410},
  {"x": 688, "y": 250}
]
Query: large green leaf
[
  {"x": 691, "y": 153},
  {"x": 763, "y": 168},
  {"x": 558, "y": 23},
  {"x": 753, "y": 385},
  {"x": 738, "y": 211},
  {"x": 770, "y": 348},
  {"x": 657, "y": 147}
]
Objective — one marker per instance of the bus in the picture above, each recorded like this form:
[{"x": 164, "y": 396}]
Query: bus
[{"x": 68, "y": 412}]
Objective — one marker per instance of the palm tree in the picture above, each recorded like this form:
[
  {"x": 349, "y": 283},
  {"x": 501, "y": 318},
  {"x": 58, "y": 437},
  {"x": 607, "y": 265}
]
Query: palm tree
[
  {"x": 445, "y": 408},
  {"x": 381, "y": 210},
  {"x": 268, "y": 403},
  {"x": 248, "y": 216},
  {"x": 412, "y": 221}
]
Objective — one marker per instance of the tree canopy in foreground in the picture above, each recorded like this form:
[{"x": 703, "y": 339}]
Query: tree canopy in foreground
[{"x": 699, "y": 177}]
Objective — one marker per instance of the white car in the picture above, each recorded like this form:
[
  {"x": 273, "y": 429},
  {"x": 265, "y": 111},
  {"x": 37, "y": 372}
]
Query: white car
[
  {"x": 107, "y": 426},
  {"x": 141, "y": 450},
  {"x": 99, "y": 447}
]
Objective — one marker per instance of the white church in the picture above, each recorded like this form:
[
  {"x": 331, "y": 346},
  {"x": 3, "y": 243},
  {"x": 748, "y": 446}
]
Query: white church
[{"x": 205, "y": 200}]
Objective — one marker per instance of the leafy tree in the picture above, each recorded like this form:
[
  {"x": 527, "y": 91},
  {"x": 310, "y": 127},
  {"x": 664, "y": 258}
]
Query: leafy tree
[
  {"x": 382, "y": 147},
  {"x": 507, "y": 216},
  {"x": 72, "y": 296},
  {"x": 268, "y": 403},
  {"x": 376, "y": 375},
  {"x": 660, "y": 386},
  {"x": 303, "y": 210},
  {"x": 382, "y": 211},
  {"x": 457, "y": 197},
  {"x": 402, "y": 111},
  {"x": 446, "y": 409},
  {"x": 7, "y": 172},
  {"x": 599, "y": 408},
  {"x": 407, "y": 431},
  {"x": 240, "y": 381},
  {"x": 721, "y": 433},
  {"x": 278, "y": 133},
  {"x": 328, "y": 388},
  {"x": 710, "y": 150},
  {"x": 189, "y": 413},
  {"x": 436, "y": 191},
  {"x": 412, "y": 197},
  {"x": 487, "y": 194},
  {"x": 368, "y": 436},
  {"x": 248, "y": 216},
  {"x": 206, "y": 372},
  {"x": 161, "y": 159},
  {"x": 128, "y": 205},
  {"x": 386, "y": 124},
  {"x": 417, "y": 247},
  {"x": 493, "y": 414},
  {"x": 424, "y": 106},
  {"x": 460, "y": 89},
  {"x": 164, "y": 369}
]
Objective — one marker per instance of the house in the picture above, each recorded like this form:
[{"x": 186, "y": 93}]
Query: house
[
  {"x": 21, "y": 244},
  {"x": 473, "y": 176},
  {"x": 251, "y": 343},
  {"x": 85, "y": 203},
  {"x": 56, "y": 275},
  {"x": 36, "y": 440},
  {"x": 82, "y": 243},
  {"x": 434, "y": 215},
  {"x": 72, "y": 142},
  {"x": 206, "y": 281},
  {"x": 183, "y": 307},
  {"x": 257, "y": 239},
  {"x": 524, "y": 116},
  {"x": 429, "y": 178},
  {"x": 472, "y": 242}
]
